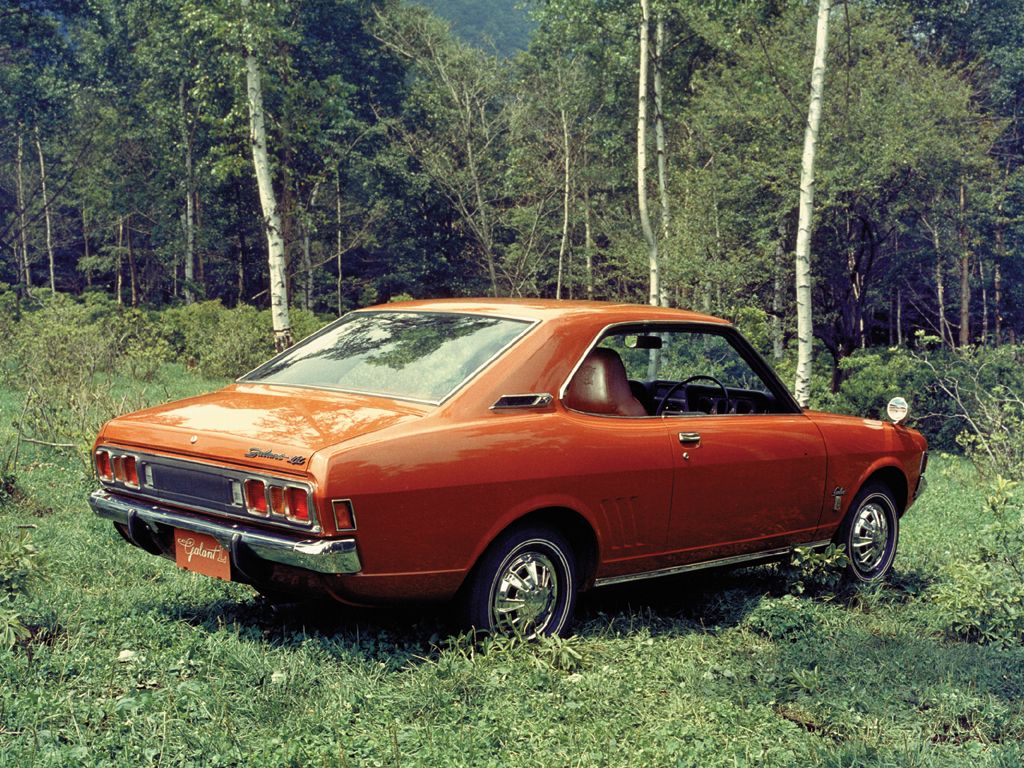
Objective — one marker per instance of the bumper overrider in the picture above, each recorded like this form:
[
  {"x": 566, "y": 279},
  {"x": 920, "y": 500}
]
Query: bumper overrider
[{"x": 149, "y": 527}]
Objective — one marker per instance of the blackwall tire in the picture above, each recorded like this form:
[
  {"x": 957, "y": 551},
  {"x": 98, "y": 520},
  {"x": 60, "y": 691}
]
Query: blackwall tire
[{"x": 525, "y": 584}]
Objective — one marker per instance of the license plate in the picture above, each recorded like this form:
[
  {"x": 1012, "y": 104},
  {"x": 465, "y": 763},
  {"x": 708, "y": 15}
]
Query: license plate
[{"x": 201, "y": 553}]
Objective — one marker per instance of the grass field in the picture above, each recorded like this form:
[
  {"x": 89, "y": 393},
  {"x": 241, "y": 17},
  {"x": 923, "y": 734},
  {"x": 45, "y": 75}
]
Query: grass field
[{"x": 135, "y": 663}]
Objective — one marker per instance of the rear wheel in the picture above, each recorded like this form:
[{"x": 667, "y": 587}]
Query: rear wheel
[
  {"x": 524, "y": 584},
  {"x": 870, "y": 533}
]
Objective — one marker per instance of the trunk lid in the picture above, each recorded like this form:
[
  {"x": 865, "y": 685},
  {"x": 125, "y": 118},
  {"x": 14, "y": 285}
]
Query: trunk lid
[{"x": 256, "y": 425}]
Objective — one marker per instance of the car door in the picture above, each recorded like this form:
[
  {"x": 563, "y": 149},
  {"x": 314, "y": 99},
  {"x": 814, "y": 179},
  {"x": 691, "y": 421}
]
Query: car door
[{"x": 749, "y": 466}]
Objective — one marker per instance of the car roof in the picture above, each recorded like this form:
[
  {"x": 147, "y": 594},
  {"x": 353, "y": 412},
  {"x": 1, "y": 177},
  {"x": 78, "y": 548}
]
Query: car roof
[{"x": 550, "y": 309}]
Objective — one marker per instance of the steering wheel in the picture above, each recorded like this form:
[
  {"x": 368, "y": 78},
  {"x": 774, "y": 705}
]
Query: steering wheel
[{"x": 681, "y": 384}]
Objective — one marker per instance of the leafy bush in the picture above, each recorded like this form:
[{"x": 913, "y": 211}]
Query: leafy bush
[
  {"x": 815, "y": 572},
  {"x": 784, "y": 619},
  {"x": 18, "y": 561},
  {"x": 65, "y": 358},
  {"x": 983, "y": 597},
  {"x": 227, "y": 342}
]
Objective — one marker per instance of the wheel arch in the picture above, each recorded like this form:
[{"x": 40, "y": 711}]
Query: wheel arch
[
  {"x": 567, "y": 521},
  {"x": 895, "y": 480}
]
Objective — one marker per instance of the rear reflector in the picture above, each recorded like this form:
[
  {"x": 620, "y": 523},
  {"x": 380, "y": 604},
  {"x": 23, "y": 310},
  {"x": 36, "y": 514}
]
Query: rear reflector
[
  {"x": 298, "y": 504},
  {"x": 344, "y": 515},
  {"x": 256, "y": 497}
]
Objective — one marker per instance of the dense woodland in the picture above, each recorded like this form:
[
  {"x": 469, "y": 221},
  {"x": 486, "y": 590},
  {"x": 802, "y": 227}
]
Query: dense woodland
[{"x": 405, "y": 161}]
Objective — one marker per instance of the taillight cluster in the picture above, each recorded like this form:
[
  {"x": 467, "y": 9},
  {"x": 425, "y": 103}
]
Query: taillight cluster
[
  {"x": 288, "y": 501},
  {"x": 120, "y": 467}
]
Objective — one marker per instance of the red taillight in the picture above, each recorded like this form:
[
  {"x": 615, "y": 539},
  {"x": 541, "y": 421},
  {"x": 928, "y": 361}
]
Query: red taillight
[
  {"x": 131, "y": 471},
  {"x": 103, "y": 466},
  {"x": 117, "y": 463},
  {"x": 277, "y": 505},
  {"x": 298, "y": 504},
  {"x": 256, "y": 497}
]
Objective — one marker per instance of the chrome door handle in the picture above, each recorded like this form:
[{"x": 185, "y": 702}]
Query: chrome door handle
[{"x": 688, "y": 438}]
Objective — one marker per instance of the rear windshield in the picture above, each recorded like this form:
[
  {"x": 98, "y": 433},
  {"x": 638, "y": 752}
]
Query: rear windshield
[{"x": 422, "y": 356}]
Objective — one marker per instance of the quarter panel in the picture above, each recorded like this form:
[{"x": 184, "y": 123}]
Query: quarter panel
[{"x": 434, "y": 500}]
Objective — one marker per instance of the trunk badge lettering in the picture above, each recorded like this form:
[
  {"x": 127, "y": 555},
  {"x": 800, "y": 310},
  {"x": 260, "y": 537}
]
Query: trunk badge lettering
[{"x": 256, "y": 453}]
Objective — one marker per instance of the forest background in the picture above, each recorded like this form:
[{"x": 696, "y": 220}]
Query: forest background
[{"x": 407, "y": 162}]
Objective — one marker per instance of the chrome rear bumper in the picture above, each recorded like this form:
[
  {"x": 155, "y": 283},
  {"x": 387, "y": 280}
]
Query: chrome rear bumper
[{"x": 145, "y": 522}]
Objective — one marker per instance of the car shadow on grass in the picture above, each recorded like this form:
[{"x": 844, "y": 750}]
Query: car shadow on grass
[{"x": 706, "y": 602}]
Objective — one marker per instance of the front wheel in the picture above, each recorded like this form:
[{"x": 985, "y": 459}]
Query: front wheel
[
  {"x": 525, "y": 584},
  {"x": 870, "y": 533}
]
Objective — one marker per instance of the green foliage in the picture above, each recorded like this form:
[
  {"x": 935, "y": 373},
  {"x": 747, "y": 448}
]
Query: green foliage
[
  {"x": 19, "y": 561},
  {"x": 816, "y": 572},
  {"x": 222, "y": 342},
  {"x": 782, "y": 619},
  {"x": 982, "y": 596}
]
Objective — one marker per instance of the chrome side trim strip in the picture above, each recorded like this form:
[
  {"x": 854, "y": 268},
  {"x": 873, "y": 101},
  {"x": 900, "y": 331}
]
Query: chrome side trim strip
[
  {"x": 753, "y": 557},
  {"x": 334, "y": 556}
]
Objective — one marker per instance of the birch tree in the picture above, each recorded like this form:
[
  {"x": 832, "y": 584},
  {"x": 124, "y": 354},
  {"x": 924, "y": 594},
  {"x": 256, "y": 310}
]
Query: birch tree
[
  {"x": 804, "y": 321},
  {"x": 654, "y": 294},
  {"x": 268, "y": 199}
]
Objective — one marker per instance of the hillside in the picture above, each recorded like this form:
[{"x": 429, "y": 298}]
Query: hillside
[{"x": 503, "y": 25}]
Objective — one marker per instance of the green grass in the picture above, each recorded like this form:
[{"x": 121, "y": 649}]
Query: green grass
[{"x": 136, "y": 663}]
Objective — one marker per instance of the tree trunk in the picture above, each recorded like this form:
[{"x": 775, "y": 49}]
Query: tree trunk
[
  {"x": 997, "y": 283},
  {"x": 777, "y": 296},
  {"x": 654, "y": 294},
  {"x": 119, "y": 280},
  {"x": 23, "y": 269},
  {"x": 190, "y": 214},
  {"x": 132, "y": 274},
  {"x": 804, "y": 321},
  {"x": 268, "y": 202},
  {"x": 965, "y": 272},
  {"x": 659, "y": 139},
  {"x": 565, "y": 203},
  {"x": 984, "y": 302},
  {"x": 85, "y": 248},
  {"x": 46, "y": 213},
  {"x": 338, "y": 250},
  {"x": 588, "y": 239},
  {"x": 899, "y": 316}
]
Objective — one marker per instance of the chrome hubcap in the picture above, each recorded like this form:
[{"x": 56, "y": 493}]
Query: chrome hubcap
[
  {"x": 869, "y": 537},
  {"x": 525, "y": 594}
]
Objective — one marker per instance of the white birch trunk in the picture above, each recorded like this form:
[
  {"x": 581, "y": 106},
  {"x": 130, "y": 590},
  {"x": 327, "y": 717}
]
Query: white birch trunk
[
  {"x": 565, "y": 204},
  {"x": 338, "y": 250},
  {"x": 26, "y": 273},
  {"x": 190, "y": 213},
  {"x": 659, "y": 141},
  {"x": 804, "y": 321},
  {"x": 268, "y": 202},
  {"x": 46, "y": 213},
  {"x": 654, "y": 295}
]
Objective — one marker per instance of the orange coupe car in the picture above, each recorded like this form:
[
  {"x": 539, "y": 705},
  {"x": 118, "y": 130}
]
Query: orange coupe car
[{"x": 507, "y": 454}]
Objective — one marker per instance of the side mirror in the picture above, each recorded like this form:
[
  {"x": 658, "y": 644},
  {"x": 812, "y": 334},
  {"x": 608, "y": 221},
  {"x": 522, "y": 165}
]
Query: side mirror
[{"x": 897, "y": 409}]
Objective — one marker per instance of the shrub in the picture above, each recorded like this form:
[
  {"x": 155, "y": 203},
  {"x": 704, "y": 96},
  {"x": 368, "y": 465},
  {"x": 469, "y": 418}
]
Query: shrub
[
  {"x": 227, "y": 342},
  {"x": 982, "y": 598},
  {"x": 815, "y": 572},
  {"x": 18, "y": 561}
]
